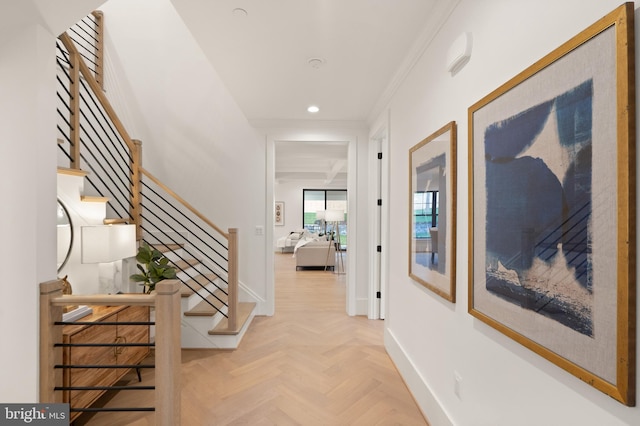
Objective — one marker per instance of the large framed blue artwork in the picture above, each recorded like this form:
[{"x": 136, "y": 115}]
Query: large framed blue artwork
[
  {"x": 432, "y": 211},
  {"x": 552, "y": 207}
]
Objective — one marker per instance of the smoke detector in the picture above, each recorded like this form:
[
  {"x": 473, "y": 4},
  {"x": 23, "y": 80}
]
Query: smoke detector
[
  {"x": 316, "y": 63},
  {"x": 240, "y": 12}
]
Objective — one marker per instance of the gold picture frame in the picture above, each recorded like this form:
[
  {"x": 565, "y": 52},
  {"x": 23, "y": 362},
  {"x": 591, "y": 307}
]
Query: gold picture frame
[
  {"x": 552, "y": 207},
  {"x": 432, "y": 212}
]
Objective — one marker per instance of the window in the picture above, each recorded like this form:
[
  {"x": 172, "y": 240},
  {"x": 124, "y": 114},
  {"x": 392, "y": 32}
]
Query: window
[
  {"x": 425, "y": 206},
  {"x": 314, "y": 200}
]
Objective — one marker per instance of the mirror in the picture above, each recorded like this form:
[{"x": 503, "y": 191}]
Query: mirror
[{"x": 65, "y": 235}]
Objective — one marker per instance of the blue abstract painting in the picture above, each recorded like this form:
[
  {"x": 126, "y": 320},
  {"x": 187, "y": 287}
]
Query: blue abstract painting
[{"x": 539, "y": 207}]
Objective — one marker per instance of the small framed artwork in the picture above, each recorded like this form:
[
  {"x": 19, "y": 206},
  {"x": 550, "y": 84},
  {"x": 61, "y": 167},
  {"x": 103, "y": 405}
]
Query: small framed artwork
[
  {"x": 552, "y": 207},
  {"x": 432, "y": 212},
  {"x": 279, "y": 213}
]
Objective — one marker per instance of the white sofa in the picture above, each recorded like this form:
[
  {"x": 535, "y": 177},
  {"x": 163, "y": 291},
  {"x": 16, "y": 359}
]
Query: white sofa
[
  {"x": 313, "y": 254},
  {"x": 289, "y": 241}
]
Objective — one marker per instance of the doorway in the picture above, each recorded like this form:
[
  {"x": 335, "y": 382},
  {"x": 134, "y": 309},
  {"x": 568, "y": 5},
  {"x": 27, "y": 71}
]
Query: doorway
[
  {"x": 378, "y": 218},
  {"x": 336, "y": 176}
]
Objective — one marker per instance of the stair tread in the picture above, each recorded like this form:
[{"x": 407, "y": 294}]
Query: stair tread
[
  {"x": 117, "y": 220},
  {"x": 93, "y": 199},
  {"x": 72, "y": 172},
  {"x": 196, "y": 283},
  {"x": 185, "y": 264},
  {"x": 244, "y": 312},
  {"x": 204, "y": 309},
  {"x": 165, "y": 247}
]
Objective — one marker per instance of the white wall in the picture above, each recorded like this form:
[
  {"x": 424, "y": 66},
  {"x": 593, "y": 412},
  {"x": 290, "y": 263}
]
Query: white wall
[
  {"x": 28, "y": 180},
  {"x": 195, "y": 139},
  {"x": 291, "y": 194},
  {"x": 503, "y": 383},
  {"x": 27, "y": 218}
]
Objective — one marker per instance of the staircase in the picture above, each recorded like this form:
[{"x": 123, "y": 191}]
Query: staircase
[
  {"x": 203, "y": 293},
  {"x": 100, "y": 166}
]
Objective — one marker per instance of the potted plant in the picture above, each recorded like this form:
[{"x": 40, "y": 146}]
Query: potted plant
[{"x": 154, "y": 267}]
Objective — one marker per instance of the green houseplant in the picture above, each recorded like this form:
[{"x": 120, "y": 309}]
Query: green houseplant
[{"x": 154, "y": 267}]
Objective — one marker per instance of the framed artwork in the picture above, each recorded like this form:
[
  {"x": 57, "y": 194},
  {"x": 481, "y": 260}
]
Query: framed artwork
[
  {"x": 279, "y": 213},
  {"x": 552, "y": 207},
  {"x": 432, "y": 212}
]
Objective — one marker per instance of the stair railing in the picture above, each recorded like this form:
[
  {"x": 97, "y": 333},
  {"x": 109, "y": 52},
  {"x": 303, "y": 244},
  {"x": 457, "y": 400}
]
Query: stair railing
[
  {"x": 166, "y": 300},
  {"x": 88, "y": 37},
  {"x": 165, "y": 217},
  {"x": 93, "y": 138}
]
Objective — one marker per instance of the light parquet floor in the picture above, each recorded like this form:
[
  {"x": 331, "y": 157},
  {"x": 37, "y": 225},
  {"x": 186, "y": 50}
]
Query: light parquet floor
[{"x": 309, "y": 364}]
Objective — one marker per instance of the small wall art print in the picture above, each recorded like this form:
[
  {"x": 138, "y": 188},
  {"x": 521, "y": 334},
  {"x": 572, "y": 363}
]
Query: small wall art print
[
  {"x": 432, "y": 212},
  {"x": 552, "y": 206},
  {"x": 279, "y": 213}
]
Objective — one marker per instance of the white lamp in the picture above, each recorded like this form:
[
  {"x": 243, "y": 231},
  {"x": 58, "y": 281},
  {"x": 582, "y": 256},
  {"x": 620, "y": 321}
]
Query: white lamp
[
  {"x": 334, "y": 215},
  {"x": 105, "y": 245}
]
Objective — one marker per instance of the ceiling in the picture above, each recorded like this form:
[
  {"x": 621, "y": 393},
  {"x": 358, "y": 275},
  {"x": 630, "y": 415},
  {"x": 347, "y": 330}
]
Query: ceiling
[
  {"x": 262, "y": 54},
  {"x": 324, "y": 163},
  {"x": 262, "y": 51},
  {"x": 278, "y": 57}
]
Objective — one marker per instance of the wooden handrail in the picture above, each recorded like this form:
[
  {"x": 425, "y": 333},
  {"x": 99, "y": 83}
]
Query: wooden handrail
[
  {"x": 166, "y": 299},
  {"x": 97, "y": 91},
  {"x": 104, "y": 299},
  {"x": 184, "y": 203}
]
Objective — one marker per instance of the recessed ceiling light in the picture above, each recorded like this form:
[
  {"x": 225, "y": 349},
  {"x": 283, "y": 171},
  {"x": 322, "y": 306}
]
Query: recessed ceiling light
[{"x": 313, "y": 109}]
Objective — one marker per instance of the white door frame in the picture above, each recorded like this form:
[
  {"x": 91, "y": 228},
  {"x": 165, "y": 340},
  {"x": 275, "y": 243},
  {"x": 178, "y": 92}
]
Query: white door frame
[
  {"x": 379, "y": 218},
  {"x": 302, "y": 136}
]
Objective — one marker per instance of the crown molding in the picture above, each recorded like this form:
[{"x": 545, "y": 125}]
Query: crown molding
[
  {"x": 441, "y": 12},
  {"x": 308, "y": 124}
]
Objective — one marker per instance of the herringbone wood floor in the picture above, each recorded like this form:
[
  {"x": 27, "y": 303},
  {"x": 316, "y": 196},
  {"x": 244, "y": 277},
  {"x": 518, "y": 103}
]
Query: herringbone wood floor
[{"x": 309, "y": 364}]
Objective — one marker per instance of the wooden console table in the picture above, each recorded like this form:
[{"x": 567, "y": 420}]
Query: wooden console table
[{"x": 91, "y": 355}]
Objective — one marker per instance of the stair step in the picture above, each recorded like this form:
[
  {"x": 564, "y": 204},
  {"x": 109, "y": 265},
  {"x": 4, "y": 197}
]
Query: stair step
[
  {"x": 204, "y": 309},
  {"x": 185, "y": 264},
  {"x": 244, "y": 312},
  {"x": 118, "y": 221},
  {"x": 164, "y": 248},
  {"x": 197, "y": 283},
  {"x": 93, "y": 199},
  {"x": 72, "y": 172}
]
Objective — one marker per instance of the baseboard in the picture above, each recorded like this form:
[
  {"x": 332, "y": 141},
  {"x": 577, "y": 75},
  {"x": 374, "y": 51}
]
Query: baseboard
[
  {"x": 248, "y": 295},
  {"x": 424, "y": 397}
]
